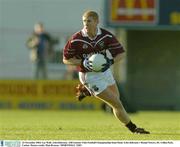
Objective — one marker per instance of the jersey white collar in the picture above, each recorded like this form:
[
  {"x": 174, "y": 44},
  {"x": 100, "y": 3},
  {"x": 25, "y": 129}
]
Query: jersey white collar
[{"x": 84, "y": 33}]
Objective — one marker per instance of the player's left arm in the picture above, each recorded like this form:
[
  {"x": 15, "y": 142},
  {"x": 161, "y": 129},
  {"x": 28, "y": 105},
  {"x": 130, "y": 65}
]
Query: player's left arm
[
  {"x": 116, "y": 49},
  {"x": 119, "y": 57}
]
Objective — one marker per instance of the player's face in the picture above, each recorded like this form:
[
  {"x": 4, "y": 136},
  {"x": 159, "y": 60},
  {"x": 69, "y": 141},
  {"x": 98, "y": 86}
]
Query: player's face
[{"x": 90, "y": 24}]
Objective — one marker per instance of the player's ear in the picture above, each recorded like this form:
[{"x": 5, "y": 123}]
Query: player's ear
[{"x": 97, "y": 21}]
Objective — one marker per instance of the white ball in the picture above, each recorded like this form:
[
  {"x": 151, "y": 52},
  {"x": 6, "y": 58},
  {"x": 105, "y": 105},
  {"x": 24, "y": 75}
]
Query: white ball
[{"x": 97, "y": 61}]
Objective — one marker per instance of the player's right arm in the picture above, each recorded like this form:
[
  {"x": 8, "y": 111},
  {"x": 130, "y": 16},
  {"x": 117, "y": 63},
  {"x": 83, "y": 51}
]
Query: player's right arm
[
  {"x": 73, "y": 55},
  {"x": 72, "y": 61},
  {"x": 70, "y": 54}
]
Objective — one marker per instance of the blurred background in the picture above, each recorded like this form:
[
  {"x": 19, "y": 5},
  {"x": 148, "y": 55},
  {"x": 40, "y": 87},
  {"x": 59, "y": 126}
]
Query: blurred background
[{"x": 148, "y": 78}]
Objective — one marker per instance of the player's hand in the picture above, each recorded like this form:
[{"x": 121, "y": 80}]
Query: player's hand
[
  {"x": 87, "y": 65},
  {"x": 108, "y": 64}
]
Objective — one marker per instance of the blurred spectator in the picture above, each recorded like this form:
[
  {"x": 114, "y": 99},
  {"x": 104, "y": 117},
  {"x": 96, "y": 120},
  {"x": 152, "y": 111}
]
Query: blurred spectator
[{"x": 41, "y": 45}]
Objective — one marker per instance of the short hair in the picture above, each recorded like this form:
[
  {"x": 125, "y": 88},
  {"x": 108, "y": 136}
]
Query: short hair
[
  {"x": 39, "y": 24},
  {"x": 92, "y": 14}
]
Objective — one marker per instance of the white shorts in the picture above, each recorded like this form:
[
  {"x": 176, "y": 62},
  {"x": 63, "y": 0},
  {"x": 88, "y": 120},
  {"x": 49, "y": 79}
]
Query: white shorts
[{"x": 96, "y": 82}]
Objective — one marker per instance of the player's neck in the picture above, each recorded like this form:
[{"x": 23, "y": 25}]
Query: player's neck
[{"x": 92, "y": 34}]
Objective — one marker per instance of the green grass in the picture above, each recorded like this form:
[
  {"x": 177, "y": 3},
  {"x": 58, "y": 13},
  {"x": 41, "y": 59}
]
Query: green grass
[{"x": 85, "y": 125}]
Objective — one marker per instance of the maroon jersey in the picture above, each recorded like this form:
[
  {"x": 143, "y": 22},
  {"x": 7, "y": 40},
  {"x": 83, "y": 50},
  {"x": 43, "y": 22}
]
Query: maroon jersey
[{"x": 81, "y": 46}]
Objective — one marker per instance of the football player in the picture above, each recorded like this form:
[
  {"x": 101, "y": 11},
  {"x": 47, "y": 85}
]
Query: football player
[{"x": 93, "y": 39}]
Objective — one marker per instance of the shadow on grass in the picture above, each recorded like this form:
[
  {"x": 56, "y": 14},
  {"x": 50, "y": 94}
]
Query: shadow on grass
[{"x": 166, "y": 133}]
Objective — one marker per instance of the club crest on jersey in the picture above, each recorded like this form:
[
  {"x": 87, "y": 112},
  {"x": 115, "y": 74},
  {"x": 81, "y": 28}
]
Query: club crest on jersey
[
  {"x": 85, "y": 46},
  {"x": 101, "y": 44}
]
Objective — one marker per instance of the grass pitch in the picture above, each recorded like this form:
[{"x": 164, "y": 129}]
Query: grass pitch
[{"x": 85, "y": 125}]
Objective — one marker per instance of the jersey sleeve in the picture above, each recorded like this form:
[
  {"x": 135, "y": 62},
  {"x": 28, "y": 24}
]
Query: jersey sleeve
[
  {"x": 69, "y": 51},
  {"x": 115, "y": 47}
]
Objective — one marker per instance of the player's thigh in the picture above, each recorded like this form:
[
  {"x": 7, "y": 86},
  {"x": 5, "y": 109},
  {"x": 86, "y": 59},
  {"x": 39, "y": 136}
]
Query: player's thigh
[
  {"x": 115, "y": 90},
  {"x": 96, "y": 82},
  {"x": 110, "y": 98}
]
